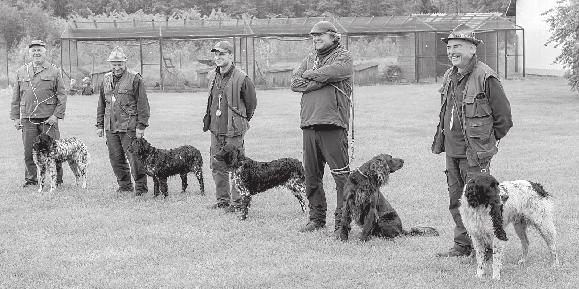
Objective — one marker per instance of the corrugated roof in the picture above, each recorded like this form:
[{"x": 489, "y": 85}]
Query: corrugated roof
[{"x": 284, "y": 27}]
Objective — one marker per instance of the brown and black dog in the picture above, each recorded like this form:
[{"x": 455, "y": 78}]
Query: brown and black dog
[{"x": 365, "y": 204}]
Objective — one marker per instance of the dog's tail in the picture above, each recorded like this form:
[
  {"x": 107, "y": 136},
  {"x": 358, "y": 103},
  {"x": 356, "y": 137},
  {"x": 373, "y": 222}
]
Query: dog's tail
[{"x": 421, "y": 231}]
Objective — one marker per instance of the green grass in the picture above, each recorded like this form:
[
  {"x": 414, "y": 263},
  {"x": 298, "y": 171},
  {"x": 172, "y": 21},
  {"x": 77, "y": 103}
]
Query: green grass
[{"x": 79, "y": 238}]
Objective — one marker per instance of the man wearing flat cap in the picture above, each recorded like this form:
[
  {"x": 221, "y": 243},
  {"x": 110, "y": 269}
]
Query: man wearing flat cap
[
  {"x": 230, "y": 107},
  {"x": 122, "y": 115},
  {"x": 325, "y": 80},
  {"x": 475, "y": 114},
  {"x": 38, "y": 102}
]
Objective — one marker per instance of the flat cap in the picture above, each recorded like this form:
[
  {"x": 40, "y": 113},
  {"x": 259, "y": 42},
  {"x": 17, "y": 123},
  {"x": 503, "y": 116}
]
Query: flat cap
[
  {"x": 36, "y": 42},
  {"x": 223, "y": 46},
  {"x": 323, "y": 27}
]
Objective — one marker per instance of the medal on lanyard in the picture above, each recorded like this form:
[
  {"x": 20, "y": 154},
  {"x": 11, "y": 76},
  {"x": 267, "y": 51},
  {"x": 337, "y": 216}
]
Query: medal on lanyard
[
  {"x": 113, "y": 98},
  {"x": 218, "y": 112}
]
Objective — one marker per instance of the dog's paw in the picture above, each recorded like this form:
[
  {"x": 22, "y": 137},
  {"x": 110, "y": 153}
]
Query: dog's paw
[{"x": 522, "y": 261}]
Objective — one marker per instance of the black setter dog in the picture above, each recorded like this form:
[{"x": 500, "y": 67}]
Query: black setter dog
[
  {"x": 161, "y": 164},
  {"x": 364, "y": 202},
  {"x": 47, "y": 152},
  {"x": 251, "y": 177}
]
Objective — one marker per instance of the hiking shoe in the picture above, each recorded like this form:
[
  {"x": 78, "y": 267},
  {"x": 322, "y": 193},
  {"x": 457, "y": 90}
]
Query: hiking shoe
[
  {"x": 455, "y": 252},
  {"x": 124, "y": 190},
  {"x": 219, "y": 206},
  {"x": 311, "y": 226},
  {"x": 29, "y": 183},
  {"x": 233, "y": 208}
]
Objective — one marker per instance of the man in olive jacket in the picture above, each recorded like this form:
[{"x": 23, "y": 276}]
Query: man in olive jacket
[
  {"x": 475, "y": 114},
  {"x": 123, "y": 114},
  {"x": 325, "y": 79},
  {"x": 38, "y": 102},
  {"x": 230, "y": 106}
]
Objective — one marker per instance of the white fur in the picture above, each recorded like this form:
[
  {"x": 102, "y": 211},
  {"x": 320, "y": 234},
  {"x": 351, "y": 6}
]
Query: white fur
[{"x": 523, "y": 207}]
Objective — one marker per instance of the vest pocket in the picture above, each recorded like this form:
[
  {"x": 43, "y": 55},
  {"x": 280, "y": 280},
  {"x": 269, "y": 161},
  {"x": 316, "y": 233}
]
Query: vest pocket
[
  {"x": 480, "y": 128},
  {"x": 477, "y": 106}
]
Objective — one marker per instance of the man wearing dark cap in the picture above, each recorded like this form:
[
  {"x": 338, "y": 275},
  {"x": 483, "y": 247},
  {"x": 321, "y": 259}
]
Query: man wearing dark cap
[
  {"x": 475, "y": 114},
  {"x": 230, "y": 106},
  {"x": 325, "y": 80},
  {"x": 123, "y": 114},
  {"x": 38, "y": 102}
]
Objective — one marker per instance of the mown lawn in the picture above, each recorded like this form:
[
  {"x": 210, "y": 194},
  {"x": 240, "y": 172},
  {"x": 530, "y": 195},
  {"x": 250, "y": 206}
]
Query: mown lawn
[{"x": 96, "y": 238}]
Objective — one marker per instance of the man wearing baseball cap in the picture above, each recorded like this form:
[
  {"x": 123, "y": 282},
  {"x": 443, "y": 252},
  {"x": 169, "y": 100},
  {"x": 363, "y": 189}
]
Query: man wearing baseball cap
[
  {"x": 230, "y": 106},
  {"x": 123, "y": 114},
  {"x": 38, "y": 102},
  {"x": 475, "y": 114},
  {"x": 325, "y": 80}
]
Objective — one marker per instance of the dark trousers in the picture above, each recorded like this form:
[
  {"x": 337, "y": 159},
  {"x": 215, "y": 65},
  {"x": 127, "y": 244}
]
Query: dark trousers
[
  {"x": 458, "y": 172},
  {"x": 320, "y": 147},
  {"x": 118, "y": 144},
  {"x": 31, "y": 128},
  {"x": 224, "y": 192}
]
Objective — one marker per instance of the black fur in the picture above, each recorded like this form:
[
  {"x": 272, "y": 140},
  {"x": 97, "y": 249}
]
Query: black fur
[
  {"x": 365, "y": 204},
  {"x": 540, "y": 190},
  {"x": 161, "y": 164},
  {"x": 252, "y": 177},
  {"x": 483, "y": 190}
]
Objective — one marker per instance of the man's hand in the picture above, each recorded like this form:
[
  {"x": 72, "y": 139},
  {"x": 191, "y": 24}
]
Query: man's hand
[
  {"x": 140, "y": 133},
  {"x": 99, "y": 132},
  {"x": 17, "y": 124},
  {"x": 52, "y": 120}
]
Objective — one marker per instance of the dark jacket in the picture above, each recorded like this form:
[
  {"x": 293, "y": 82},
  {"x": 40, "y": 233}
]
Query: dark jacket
[
  {"x": 123, "y": 104},
  {"x": 484, "y": 119},
  {"x": 38, "y": 95},
  {"x": 326, "y": 85},
  {"x": 238, "y": 103}
]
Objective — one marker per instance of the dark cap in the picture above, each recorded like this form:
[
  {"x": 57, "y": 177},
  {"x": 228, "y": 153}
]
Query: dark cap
[
  {"x": 463, "y": 32},
  {"x": 323, "y": 27},
  {"x": 223, "y": 46},
  {"x": 36, "y": 42}
]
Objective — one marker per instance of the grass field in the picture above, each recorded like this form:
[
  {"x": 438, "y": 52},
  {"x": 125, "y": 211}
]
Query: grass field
[{"x": 96, "y": 238}]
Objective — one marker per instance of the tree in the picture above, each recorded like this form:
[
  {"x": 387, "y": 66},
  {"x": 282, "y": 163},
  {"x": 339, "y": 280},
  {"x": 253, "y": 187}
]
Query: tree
[{"x": 563, "y": 22}]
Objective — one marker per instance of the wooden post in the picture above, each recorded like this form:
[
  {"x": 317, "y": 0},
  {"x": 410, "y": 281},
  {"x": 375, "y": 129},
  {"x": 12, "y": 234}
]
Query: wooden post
[
  {"x": 161, "y": 58},
  {"x": 141, "y": 54},
  {"x": 7, "y": 68},
  {"x": 524, "y": 54},
  {"x": 506, "y": 56}
]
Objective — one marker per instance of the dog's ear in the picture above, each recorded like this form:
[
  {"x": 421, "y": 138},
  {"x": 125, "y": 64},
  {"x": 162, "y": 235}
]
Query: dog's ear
[
  {"x": 497, "y": 220},
  {"x": 471, "y": 191}
]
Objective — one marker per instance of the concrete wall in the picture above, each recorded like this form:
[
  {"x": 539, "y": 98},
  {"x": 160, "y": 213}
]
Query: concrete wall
[{"x": 539, "y": 57}]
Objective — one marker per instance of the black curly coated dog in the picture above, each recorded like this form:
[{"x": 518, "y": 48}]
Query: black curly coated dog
[
  {"x": 364, "y": 202},
  {"x": 251, "y": 177},
  {"x": 47, "y": 152},
  {"x": 161, "y": 164}
]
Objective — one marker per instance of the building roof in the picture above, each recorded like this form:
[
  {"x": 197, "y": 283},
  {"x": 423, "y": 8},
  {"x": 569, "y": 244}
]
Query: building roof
[{"x": 280, "y": 27}]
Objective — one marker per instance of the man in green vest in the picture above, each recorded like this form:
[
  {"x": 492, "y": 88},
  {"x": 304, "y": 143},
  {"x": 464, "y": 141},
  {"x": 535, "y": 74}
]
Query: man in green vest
[
  {"x": 230, "y": 106},
  {"x": 475, "y": 114},
  {"x": 38, "y": 102},
  {"x": 122, "y": 115}
]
